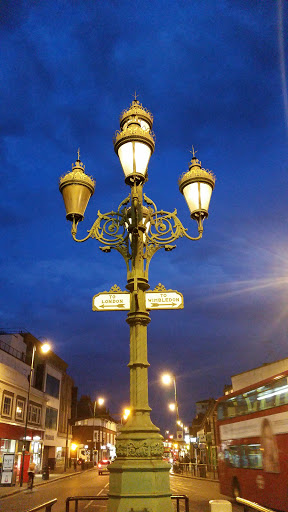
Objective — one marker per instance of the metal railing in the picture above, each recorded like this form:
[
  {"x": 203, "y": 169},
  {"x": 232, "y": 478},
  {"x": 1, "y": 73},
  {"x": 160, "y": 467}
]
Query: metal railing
[
  {"x": 76, "y": 499},
  {"x": 251, "y": 504},
  {"x": 178, "y": 498},
  {"x": 47, "y": 507},
  {"x": 193, "y": 469},
  {"x": 12, "y": 351}
]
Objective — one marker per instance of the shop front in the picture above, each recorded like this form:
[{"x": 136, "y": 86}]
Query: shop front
[{"x": 12, "y": 443}]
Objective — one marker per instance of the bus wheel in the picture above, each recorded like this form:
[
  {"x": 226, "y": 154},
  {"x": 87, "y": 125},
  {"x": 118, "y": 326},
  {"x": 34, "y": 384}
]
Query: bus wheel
[{"x": 235, "y": 489}]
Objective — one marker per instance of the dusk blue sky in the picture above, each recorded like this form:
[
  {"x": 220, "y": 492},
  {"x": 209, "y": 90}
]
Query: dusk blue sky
[{"x": 214, "y": 74}]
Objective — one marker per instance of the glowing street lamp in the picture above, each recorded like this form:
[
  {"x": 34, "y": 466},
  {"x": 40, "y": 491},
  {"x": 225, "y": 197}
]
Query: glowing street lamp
[
  {"x": 172, "y": 407},
  {"x": 126, "y": 414},
  {"x": 167, "y": 380},
  {"x": 98, "y": 402},
  {"x": 46, "y": 347},
  {"x": 137, "y": 232}
]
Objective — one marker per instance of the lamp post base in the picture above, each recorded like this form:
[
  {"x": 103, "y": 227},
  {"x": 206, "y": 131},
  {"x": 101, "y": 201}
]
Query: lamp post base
[
  {"x": 138, "y": 485},
  {"x": 139, "y": 478}
]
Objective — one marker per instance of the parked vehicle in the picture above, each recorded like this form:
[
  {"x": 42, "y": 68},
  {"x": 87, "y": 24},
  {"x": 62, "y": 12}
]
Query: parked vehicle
[{"x": 103, "y": 466}]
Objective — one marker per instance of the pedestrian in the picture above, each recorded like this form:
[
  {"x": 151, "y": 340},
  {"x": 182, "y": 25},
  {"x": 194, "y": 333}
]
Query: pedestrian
[
  {"x": 75, "y": 465},
  {"x": 31, "y": 474}
]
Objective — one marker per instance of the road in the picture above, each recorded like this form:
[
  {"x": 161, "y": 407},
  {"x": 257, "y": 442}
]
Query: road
[{"x": 90, "y": 483}]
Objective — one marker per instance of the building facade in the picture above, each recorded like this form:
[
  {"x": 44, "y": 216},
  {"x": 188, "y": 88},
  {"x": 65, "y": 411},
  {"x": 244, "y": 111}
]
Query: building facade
[
  {"x": 203, "y": 447},
  {"x": 49, "y": 408},
  {"x": 95, "y": 438}
]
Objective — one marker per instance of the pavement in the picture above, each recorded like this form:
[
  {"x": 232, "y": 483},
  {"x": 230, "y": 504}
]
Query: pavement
[
  {"x": 187, "y": 474},
  {"x": 15, "y": 489}
]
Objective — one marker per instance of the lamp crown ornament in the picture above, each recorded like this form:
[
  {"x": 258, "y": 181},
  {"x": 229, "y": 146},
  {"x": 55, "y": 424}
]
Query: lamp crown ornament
[{"x": 136, "y": 109}]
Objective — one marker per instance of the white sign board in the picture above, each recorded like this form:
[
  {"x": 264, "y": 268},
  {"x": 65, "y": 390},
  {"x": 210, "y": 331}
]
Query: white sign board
[
  {"x": 111, "y": 301},
  {"x": 6, "y": 477},
  {"x": 8, "y": 461},
  {"x": 164, "y": 300},
  {"x": 120, "y": 301},
  {"x": 7, "y": 468}
]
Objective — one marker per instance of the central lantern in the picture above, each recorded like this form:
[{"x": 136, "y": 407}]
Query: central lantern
[{"x": 134, "y": 143}]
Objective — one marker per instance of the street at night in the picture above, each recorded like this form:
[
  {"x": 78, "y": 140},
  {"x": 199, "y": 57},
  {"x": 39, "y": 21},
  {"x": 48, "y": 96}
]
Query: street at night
[
  {"x": 144, "y": 290},
  {"x": 89, "y": 483}
]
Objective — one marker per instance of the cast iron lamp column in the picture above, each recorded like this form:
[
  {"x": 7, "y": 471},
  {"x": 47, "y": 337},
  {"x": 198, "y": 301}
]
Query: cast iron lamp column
[{"x": 139, "y": 478}]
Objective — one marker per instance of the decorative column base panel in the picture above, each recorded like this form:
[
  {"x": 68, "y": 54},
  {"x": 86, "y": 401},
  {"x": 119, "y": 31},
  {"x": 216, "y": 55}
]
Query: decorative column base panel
[{"x": 138, "y": 485}]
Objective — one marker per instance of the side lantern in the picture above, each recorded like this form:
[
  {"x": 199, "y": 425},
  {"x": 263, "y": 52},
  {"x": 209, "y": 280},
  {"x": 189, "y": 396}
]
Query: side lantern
[
  {"x": 76, "y": 188},
  {"x": 197, "y": 185}
]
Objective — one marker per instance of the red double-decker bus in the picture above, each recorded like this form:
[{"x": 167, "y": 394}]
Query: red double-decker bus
[{"x": 252, "y": 432}]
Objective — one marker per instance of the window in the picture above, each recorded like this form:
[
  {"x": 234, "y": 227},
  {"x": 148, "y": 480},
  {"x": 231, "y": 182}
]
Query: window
[
  {"x": 52, "y": 386},
  {"x": 7, "y": 403},
  {"x": 34, "y": 414},
  {"x": 244, "y": 456},
  {"x": 51, "y": 418},
  {"x": 271, "y": 395},
  {"x": 20, "y": 406}
]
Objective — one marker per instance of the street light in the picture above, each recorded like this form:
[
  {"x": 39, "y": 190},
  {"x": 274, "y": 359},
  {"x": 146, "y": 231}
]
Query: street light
[
  {"x": 167, "y": 379},
  {"x": 126, "y": 414},
  {"x": 137, "y": 235},
  {"x": 45, "y": 347},
  {"x": 99, "y": 401}
]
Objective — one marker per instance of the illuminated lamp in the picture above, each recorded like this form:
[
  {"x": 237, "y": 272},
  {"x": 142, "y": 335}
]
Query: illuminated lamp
[
  {"x": 197, "y": 185},
  {"x": 134, "y": 143}
]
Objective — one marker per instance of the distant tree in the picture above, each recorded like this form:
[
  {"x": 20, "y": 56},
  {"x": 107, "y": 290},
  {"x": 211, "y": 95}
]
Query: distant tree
[{"x": 85, "y": 407}]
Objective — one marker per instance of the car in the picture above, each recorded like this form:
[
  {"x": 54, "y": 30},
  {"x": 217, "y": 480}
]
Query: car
[{"x": 103, "y": 466}]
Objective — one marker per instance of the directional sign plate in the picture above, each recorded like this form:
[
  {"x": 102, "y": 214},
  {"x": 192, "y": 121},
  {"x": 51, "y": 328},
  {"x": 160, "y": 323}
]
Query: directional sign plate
[
  {"x": 164, "y": 300},
  {"x": 120, "y": 301},
  {"x": 111, "y": 301}
]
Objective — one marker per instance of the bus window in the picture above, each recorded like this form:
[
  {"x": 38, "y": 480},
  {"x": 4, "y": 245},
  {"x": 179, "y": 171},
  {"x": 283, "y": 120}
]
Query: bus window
[
  {"x": 254, "y": 456},
  {"x": 221, "y": 411},
  {"x": 244, "y": 457},
  {"x": 234, "y": 456},
  {"x": 231, "y": 408},
  {"x": 251, "y": 400},
  {"x": 241, "y": 406}
]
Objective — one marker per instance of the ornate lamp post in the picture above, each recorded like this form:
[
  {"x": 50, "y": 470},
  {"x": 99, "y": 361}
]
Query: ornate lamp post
[{"x": 139, "y": 477}]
